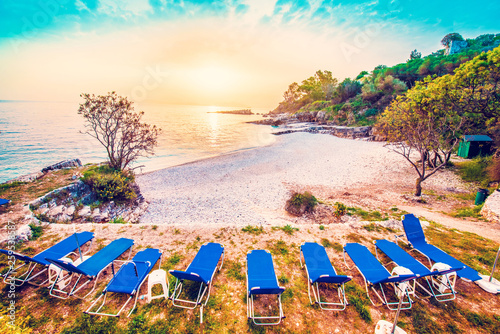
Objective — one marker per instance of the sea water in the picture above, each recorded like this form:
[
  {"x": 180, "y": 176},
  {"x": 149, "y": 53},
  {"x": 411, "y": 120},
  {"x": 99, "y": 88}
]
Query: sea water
[{"x": 34, "y": 135}]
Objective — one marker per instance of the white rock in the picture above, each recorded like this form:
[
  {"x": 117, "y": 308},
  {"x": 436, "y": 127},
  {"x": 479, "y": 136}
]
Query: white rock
[
  {"x": 70, "y": 211},
  {"x": 63, "y": 218},
  {"x": 491, "y": 207},
  {"x": 56, "y": 210},
  {"x": 85, "y": 211},
  {"x": 24, "y": 233}
]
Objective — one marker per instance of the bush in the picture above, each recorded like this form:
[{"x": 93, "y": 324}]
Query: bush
[
  {"x": 36, "y": 231},
  {"x": 299, "y": 204},
  {"x": 340, "y": 209},
  {"x": 109, "y": 184}
]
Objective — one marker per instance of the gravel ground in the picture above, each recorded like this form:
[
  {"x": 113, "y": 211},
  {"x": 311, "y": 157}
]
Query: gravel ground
[{"x": 251, "y": 187}]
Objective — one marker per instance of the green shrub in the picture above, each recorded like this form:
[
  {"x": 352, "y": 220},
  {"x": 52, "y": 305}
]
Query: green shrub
[
  {"x": 340, "y": 209},
  {"x": 299, "y": 203},
  {"x": 118, "y": 220},
  {"x": 109, "y": 184},
  {"x": 36, "y": 231}
]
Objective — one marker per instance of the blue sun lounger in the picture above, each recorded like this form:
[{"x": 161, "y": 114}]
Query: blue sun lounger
[
  {"x": 416, "y": 238},
  {"x": 128, "y": 280},
  {"x": 201, "y": 270},
  {"x": 91, "y": 268},
  {"x": 403, "y": 259},
  {"x": 374, "y": 273},
  {"x": 320, "y": 270},
  {"x": 261, "y": 280},
  {"x": 4, "y": 201},
  {"x": 61, "y": 249}
]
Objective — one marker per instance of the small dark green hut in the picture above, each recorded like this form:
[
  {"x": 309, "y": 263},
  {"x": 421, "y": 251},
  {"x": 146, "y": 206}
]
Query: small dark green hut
[{"x": 473, "y": 145}]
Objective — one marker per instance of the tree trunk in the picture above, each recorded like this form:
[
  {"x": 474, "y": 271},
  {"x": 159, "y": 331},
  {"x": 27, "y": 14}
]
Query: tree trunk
[{"x": 418, "y": 187}]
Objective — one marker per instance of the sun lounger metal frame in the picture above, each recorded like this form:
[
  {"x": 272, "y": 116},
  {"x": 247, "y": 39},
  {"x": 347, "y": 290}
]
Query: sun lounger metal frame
[
  {"x": 400, "y": 258},
  {"x": 137, "y": 260},
  {"x": 93, "y": 275},
  {"x": 273, "y": 289},
  {"x": 191, "y": 274},
  {"x": 72, "y": 243},
  {"x": 416, "y": 239},
  {"x": 328, "y": 276},
  {"x": 400, "y": 282}
]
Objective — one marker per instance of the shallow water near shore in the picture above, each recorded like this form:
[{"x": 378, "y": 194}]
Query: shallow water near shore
[{"x": 37, "y": 134}]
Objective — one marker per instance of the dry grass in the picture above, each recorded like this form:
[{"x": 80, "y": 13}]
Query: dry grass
[{"x": 474, "y": 311}]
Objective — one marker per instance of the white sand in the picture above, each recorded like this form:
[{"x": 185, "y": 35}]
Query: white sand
[{"x": 252, "y": 187}]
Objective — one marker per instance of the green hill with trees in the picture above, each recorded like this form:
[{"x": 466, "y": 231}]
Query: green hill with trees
[{"x": 357, "y": 101}]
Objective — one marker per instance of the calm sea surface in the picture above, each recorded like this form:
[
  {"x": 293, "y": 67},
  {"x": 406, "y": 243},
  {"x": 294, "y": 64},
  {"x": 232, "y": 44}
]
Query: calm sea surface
[{"x": 37, "y": 134}]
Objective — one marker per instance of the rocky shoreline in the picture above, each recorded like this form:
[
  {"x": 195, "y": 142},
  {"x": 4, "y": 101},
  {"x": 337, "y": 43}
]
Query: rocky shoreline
[{"x": 315, "y": 122}]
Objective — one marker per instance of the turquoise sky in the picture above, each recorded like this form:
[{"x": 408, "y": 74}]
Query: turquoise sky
[{"x": 204, "y": 51}]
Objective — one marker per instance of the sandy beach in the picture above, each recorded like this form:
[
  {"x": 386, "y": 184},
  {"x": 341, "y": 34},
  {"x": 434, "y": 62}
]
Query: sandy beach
[{"x": 251, "y": 187}]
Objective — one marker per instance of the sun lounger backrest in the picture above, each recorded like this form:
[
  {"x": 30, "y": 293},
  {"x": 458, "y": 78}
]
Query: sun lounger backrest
[
  {"x": 413, "y": 229},
  {"x": 260, "y": 273},
  {"x": 366, "y": 262},
  {"x": 319, "y": 266},
  {"x": 57, "y": 251},
  {"x": 4, "y": 201},
  {"x": 20, "y": 256},
  {"x": 130, "y": 276},
  {"x": 206, "y": 260},
  {"x": 105, "y": 256},
  {"x": 401, "y": 258},
  {"x": 64, "y": 247}
]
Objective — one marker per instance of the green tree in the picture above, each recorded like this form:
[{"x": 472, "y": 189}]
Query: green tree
[
  {"x": 420, "y": 122},
  {"x": 347, "y": 89},
  {"x": 415, "y": 55},
  {"x": 475, "y": 86},
  {"x": 112, "y": 121}
]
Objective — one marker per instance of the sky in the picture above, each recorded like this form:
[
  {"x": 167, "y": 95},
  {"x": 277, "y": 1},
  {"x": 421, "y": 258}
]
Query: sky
[{"x": 240, "y": 53}]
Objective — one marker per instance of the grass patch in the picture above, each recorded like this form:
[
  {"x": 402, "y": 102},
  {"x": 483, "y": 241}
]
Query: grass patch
[
  {"x": 372, "y": 227},
  {"x": 234, "y": 270},
  {"x": 171, "y": 261},
  {"x": 475, "y": 170},
  {"x": 335, "y": 245},
  {"x": 367, "y": 215},
  {"x": 357, "y": 297},
  {"x": 119, "y": 220},
  {"x": 278, "y": 248},
  {"x": 468, "y": 212},
  {"x": 253, "y": 230},
  {"x": 287, "y": 229}
]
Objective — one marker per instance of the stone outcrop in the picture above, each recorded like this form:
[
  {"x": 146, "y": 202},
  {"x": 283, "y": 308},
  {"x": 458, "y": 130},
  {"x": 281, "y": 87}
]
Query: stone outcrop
[
  {"x": 71, "y": 163},
  {"x": 363, "y": 132},
  {"x": 491, "y": 207},
  {"x": 76, "y": 202},
  {"x": 455, "y": 47},
  {"x": 314, "y": 122}
]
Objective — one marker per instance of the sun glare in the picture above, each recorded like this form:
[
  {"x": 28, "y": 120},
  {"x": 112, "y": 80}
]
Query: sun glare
[{"x": 214, "y": 79}]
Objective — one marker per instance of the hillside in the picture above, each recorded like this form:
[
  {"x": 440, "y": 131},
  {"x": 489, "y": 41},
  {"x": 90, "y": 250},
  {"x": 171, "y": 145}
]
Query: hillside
[{"x": 359, "y": 100}]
